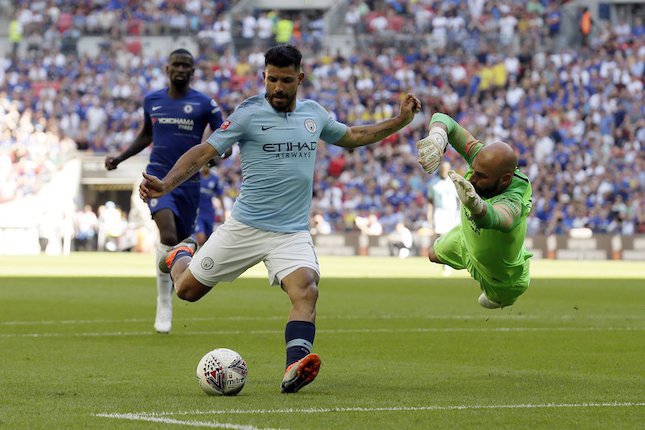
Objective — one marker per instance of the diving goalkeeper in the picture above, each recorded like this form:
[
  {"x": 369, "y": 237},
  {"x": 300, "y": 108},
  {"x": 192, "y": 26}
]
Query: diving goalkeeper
[{"x": 496, "y": 199}]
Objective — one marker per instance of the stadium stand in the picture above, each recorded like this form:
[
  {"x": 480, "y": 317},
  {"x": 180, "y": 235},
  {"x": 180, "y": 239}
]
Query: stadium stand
[{"x": 76, "y": 72}]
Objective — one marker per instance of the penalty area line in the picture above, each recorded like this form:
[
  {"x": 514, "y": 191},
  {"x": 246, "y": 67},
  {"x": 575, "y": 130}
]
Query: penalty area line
[
  {"x": 393, "y": 409},
  {"x": 191, "y": 423}
]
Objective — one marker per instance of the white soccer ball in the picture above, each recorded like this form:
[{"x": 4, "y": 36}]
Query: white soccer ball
[{"x": 222, "y": 372}]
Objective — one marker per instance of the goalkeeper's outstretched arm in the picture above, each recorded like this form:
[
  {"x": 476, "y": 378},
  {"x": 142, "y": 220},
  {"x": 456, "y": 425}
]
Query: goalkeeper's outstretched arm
[{"x": 460, "y": 138}]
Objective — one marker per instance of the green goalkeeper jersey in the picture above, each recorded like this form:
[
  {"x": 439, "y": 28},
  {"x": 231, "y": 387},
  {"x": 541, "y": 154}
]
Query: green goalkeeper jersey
[{"x": 494, "y": 243}]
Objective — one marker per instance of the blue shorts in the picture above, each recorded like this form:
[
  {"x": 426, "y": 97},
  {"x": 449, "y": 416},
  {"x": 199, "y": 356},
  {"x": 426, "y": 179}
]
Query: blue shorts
[
  {"x": 183, "y": 202},
  {"x": 205, "y": 224}
]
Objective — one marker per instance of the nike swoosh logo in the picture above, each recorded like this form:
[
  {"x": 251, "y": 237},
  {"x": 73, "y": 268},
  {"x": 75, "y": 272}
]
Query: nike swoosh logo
[
  {"x": 156, "y": 107},
  {"x": 266, "y": 127}
]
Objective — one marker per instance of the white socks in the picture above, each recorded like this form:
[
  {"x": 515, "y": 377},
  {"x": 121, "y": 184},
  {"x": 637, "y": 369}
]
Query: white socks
[{"x": 165, "y": 290}]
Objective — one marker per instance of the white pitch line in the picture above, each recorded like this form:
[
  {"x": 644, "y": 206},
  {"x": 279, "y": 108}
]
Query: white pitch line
[
  {"x": 340, "y": 331},
  {"x": 564, "y": 317},
  {"x": 139, "y": 417},
  {"x": 380, "y": 409}
]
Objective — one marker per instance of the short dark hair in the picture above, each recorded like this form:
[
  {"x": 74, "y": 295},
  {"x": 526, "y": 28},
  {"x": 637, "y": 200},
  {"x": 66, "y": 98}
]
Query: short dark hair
[
  {"x": 181, "y": 51},
  {"x": 283, "y": 55}
]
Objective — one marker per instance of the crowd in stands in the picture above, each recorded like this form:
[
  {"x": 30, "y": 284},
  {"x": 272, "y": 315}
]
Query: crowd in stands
[{"x": 573, "y": 112}]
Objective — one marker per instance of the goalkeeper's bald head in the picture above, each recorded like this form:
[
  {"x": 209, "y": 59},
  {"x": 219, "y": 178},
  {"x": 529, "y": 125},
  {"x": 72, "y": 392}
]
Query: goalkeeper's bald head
[
  {"x": 505, "y": 157},
  {"x": 494, "y": 166}
]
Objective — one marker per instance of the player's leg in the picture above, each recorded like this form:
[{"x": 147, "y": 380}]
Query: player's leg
[
  {"x": 448, "y": 249},
  {"x": 225, "y": 255},
  {"x": 188, "y": 288},
  {"x": 174, "y": 214},
  {"x": 199, "y": 234},
  {"x": 302, "y": 365},
  {"x": 203, "y": 229},
  {"x": 496, "y": 295},
  {"x": 294, "y": 265},
  {"x": 165, "y": 220}
]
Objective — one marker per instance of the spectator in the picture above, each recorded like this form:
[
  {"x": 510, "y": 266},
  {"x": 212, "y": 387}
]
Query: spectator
[
  {"x": 86, "y": 225},
  {"x": 586, "y": 23}
]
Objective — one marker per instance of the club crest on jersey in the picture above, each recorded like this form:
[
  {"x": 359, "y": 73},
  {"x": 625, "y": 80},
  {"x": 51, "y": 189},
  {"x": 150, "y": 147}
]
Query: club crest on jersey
[
  {"x": 207, "y": 263},
  {"x": 153, "y": 202},
  {"x": 310, "y": 125},
  {"x": 225, "y": 125},
  {"x": 188, "y": 108}
]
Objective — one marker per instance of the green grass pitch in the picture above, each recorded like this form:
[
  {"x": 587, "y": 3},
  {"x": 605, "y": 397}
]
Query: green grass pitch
[{"x": 402, "y": 348}]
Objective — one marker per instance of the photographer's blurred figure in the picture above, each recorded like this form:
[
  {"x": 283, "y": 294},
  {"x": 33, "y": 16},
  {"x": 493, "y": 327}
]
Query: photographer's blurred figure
[
  {"x": 400, "y": 241},
  {"x": 319, "y": 225},
  {"x": 369, "y": 225}
]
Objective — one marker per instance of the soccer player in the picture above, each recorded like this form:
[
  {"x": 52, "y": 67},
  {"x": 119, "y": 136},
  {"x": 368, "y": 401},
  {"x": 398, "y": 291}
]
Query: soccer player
[
  {"x": 277, "y": 136},
  {"x": 175, "y": 119},
  {"x": 496, "y": 200},
  {"x": 443, "y": 206},
  {"x": 210, "y": 188}
]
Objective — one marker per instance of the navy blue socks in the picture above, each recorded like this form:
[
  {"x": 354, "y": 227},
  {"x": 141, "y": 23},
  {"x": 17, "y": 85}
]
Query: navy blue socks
[{"x": 299, "y": 336}]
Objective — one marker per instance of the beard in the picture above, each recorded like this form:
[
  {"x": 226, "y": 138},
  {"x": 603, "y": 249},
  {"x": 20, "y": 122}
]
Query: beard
[
  {"x": 285, "y": 102},
  {"x": 487, "y": 192}
]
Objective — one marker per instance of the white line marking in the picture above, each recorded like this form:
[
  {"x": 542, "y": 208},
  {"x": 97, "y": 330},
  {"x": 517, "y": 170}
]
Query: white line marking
[
  {"x": 143, "y": 417},
  {"x": 343, "y": 331},
  {"x": 377, "y": 409},
  {"x": 565, "y": 317}
]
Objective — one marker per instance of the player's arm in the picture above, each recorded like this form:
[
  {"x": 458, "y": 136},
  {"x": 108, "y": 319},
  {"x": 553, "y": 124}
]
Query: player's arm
[
  {"x": 187, "y": 165},
  {"x": 504, "y": 215},
  {"x": 365, "y": 134},
  {"x": 444, "y": 130},
  {"x": 143, "y": 139}
]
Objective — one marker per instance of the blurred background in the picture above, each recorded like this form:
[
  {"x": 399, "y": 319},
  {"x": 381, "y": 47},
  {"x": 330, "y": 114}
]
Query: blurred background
[{"x": 561, "y": 81}]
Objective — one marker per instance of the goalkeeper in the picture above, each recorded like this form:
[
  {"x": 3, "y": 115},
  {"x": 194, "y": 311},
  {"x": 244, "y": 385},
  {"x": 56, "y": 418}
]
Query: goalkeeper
[{"x": 496, "y": 199}]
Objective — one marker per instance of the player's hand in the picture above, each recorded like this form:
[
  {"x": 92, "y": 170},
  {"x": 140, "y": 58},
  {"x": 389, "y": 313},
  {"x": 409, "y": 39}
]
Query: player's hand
[
  {"x": 467, "y": 193},
  {"x": 409, "y": 107},
  {"x": 111, "y": 162},
  {"x": 430, "y": 149},
  {"x": 151, "y": 187}
]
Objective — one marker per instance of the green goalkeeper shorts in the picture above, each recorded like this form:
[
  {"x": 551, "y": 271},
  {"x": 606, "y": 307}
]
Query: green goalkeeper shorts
[{"x": 451, "y": 250}]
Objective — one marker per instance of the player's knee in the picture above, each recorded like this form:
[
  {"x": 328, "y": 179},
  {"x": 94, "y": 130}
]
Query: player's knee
[
  {"x": 186, "y": 293},
  {"x": 432, "y": 255},
  {"x": 310, "y": 293},
  {"x": 304, "y": 293},
  {"x": 189, "y": 289}
]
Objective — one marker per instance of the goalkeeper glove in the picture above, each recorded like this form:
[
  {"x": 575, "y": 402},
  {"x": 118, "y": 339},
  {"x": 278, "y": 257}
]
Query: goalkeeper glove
[
  {"x": 467, "y": 193},
  {"x": 431, "y": 149}
]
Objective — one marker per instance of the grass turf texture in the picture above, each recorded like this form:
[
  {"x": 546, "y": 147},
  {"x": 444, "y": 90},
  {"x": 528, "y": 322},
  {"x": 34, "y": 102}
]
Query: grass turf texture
[{"x": 398, "y": 353}]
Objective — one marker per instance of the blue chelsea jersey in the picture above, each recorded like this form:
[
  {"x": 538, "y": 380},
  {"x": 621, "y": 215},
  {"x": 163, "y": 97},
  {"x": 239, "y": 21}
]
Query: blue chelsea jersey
[
  {"x": 277, "y": 156},
  {"x": 177, "y": 125}
]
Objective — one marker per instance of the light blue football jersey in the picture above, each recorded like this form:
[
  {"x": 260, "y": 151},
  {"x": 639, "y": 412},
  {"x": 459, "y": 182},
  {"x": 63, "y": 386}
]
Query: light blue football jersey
[{"x": 277, "y": 156}]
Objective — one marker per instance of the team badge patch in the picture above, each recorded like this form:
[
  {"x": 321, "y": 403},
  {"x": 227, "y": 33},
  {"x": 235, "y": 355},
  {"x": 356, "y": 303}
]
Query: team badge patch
[
  {"x": 188, "y": 108},
  {"x": 207, "y": 263},
  {"x": 225, "y": 125},
  {"x": 154, "y": 202},
  {"x": 310, "y": 125}
]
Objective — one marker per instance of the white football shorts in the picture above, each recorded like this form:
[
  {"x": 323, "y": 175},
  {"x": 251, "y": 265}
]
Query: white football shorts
[
  {"x": 444, "y": 221},
  {"x": 234, "y": 247}
]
